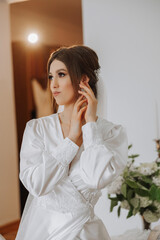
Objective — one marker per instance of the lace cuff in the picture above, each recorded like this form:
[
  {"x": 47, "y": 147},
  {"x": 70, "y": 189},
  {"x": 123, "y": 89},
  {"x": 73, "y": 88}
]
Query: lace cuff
[
  {"x": 65, "y": 152},
  {"x": 91, "y": 134}
]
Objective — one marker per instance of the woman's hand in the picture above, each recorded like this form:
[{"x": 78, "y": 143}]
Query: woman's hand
[
  {"x": 76, "y": 119},
  {"x": 90, "y": 113}
]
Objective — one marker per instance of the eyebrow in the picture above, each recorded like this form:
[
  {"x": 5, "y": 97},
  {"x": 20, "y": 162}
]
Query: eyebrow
[{"x": 62, "y": 69}]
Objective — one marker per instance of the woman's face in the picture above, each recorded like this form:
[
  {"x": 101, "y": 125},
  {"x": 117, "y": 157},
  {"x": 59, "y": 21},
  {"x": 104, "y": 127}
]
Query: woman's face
[{"x": 60, "y": 81}]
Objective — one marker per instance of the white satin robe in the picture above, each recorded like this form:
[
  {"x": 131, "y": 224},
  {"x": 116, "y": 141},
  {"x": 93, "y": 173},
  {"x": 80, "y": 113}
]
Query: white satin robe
[{"x": 60, "y": 204}]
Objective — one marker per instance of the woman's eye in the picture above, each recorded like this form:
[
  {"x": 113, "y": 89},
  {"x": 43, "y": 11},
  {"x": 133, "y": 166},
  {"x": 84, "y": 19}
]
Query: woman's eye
[
  {"x": 61, "y": 74},
  {"x": 50, "y": 77}
]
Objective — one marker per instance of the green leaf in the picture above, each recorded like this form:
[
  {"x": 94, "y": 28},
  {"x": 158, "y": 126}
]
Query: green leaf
[
  {"x": 135, "y": 174},
  {"x": 133, "y": 156},
  {"x": 130, "y": 146},
  {"x": 124, "y": 189},
  {"x": 142, "y": 193},
  {"x": 143, "y": 185},
  {"x": 130, "y": 213},
  {"x": 113, "y": 204},
  {"x": 147, "y": 179},
  {"x": 120, "y": 197},
  {"x": 125, "y": 172},
  {"x": 152, "y": 208},
  {"x": 156, "y": 173},
  {"x": 132, "y": 184},
  {"x": 130, "y": 194},
  {"x": 113, "y": 198},
  {"x": 152, "y": 192},
  {"x": 158, "y": 194},
  {"x": 135, "y": 211},
  {"x": 119, "y": 211}
]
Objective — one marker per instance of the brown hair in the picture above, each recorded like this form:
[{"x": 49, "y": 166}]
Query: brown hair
[{"x": 80, "y": 60}]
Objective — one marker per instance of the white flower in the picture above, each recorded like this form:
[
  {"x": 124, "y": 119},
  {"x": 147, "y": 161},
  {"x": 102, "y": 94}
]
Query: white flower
[
  {"x": 144, "y": 201},
  {"x": 156, "y": 180},
  {"x": 157, "y": 205},
  {"x": 158, "y": 160},
  {"x": 150, "y": 216},
  {"x": 125, "y": 204},
  {"x": 115, "y": 186},
  {"x": 135, "y": 202},
  {"x": 147, "y": 168},
  {"x": 133, "y": 168}
]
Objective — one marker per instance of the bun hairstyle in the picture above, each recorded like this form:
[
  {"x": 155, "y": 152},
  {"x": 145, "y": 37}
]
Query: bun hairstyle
[{"x": 80, "y": 61}]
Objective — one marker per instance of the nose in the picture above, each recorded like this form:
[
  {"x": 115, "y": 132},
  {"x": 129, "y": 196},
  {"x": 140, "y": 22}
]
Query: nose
[{"x": 54, "y": 83}]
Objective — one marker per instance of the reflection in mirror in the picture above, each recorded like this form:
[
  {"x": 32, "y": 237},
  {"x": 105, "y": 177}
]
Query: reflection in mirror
[{"x": 64, "y": 27}]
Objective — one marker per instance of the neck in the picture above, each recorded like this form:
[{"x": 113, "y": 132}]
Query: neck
[{"x": 66, "y": 115}]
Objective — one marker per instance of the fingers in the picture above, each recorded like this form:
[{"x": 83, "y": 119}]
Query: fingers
[
  {"x": 81, "y": 111},
  {"x": 84, "y": 94},
  {"x": 87, "y": 88},
  {"x": 79, "y": 98},
  {"x": 80, "y": 103}
]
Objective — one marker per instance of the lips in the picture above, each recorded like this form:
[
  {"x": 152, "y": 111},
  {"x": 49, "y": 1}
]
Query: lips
[{"x": 55, "y": 93}]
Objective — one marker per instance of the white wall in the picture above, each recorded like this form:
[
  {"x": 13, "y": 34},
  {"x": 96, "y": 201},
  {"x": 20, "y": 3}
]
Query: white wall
[
  {"x": 9, "y": 185},
  {"x": 126, "y": 36}
]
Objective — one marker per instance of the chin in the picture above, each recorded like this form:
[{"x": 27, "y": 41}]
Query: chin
[{"x": 61, "y": 101}]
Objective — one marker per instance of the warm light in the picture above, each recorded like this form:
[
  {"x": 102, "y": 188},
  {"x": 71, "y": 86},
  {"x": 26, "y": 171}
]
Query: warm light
[{"x": 32, "y": 37}]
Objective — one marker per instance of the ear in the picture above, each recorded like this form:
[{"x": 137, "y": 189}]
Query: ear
[{"x": 84, "y": 79}]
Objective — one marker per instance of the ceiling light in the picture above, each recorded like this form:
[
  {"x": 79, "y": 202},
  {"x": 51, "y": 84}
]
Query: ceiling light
[{"x": 32, "y": 37}]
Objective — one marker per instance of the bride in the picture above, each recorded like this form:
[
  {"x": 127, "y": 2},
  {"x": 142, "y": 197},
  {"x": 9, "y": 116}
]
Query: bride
[{"x": 67, "y": 158}]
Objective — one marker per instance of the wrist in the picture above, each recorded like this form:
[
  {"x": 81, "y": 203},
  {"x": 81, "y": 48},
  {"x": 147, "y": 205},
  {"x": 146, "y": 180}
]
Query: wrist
[
  {"x": 90, "y": 120},
  {"x": 73, "y": 139}
]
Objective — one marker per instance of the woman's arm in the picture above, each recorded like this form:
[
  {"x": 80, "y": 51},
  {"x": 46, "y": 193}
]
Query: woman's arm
[
  {"x": 39, "y": 169},
  {"x": 105, "y": 153}
]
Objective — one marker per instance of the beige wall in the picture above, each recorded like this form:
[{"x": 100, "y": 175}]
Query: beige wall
[
  {"x": 52, "y": 29},
  {"x": 9, "y": 186}
]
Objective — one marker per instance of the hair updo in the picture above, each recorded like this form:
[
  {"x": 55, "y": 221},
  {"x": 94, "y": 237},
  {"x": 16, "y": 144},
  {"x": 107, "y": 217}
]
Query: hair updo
[{"x": 79, "y": 60}]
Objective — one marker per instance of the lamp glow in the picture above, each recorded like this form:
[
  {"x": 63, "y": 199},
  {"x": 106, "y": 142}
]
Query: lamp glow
[{"x": 32, "y": 37}]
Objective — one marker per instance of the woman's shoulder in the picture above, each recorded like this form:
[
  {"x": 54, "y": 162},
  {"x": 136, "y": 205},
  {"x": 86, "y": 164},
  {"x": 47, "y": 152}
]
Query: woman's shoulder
[
  {"x": 110, "y": 128},
  {"x": 105, "y": 123},
  {"x": 42, "y": 120},
  {"x": 39, "y": 126}
]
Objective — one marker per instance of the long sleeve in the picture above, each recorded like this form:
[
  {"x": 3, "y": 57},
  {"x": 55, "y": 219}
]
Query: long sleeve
[
  {"x": 105, "y": 153},
  {"x": 40, "y": 170}
]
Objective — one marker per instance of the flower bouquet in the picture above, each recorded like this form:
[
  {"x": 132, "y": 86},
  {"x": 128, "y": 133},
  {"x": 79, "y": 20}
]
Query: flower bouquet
[{"x": 137, "y": 189}]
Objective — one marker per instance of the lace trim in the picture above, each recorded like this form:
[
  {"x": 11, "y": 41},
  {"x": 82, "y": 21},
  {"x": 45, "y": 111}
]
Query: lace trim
[
  {"x": 69, "y": 201},
  {"x": 92, "y": 134},
  {"x": 65, "y": 152}
]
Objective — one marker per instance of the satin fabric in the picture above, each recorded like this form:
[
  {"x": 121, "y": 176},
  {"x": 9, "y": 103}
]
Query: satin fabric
[{"x": 60, "y": 204}]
